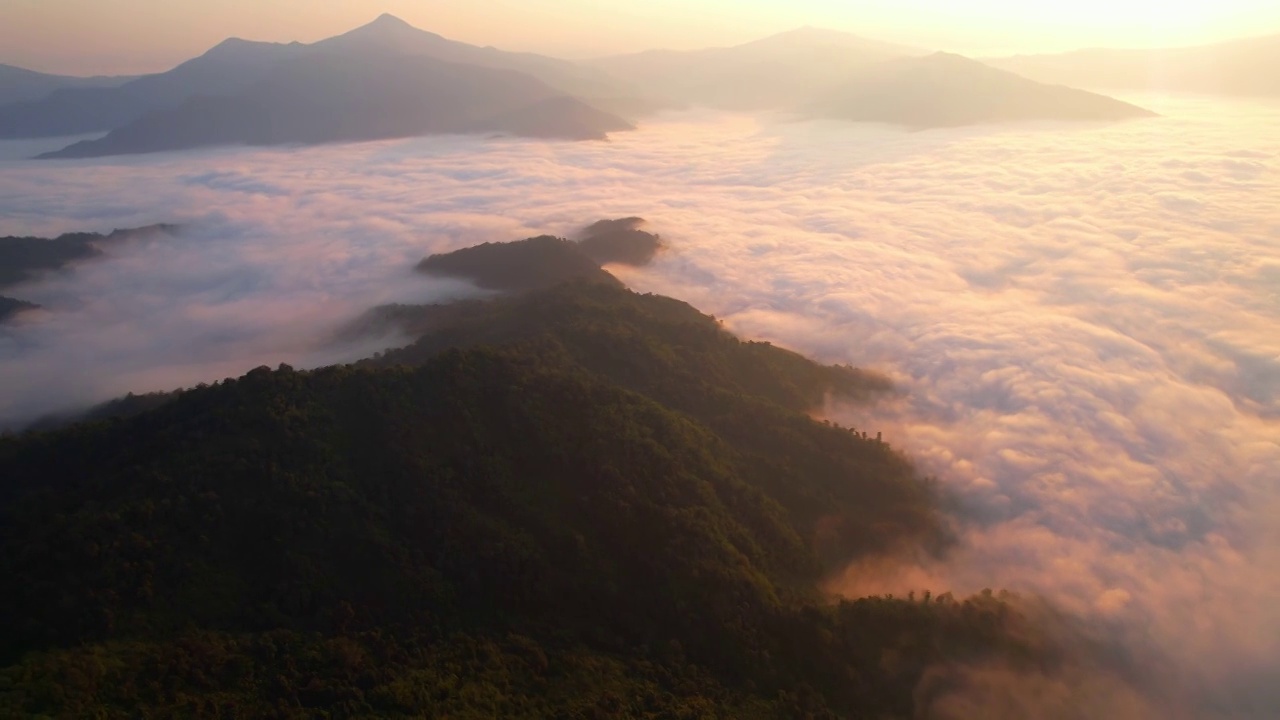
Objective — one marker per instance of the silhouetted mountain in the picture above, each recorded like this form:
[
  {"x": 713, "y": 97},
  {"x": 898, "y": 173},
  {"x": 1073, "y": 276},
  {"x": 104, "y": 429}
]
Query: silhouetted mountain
[
  {"x": 774, "y": 72},
  {"x": 12, "y": 306},
  {"x": 1238, "y": 67},
  {"x": 337, "y": 96},
  {"x": 22, "y": 85},
  {"x": 619, "y": 241},
  {"x": 518, "y": 266},
  {"x": 229, "y": 67},
  {"x": 235, "y": 65},
  {"x": 24, "y": 258},
  {"x": 391, "y": 34},
  {"x": 545, "y": 261},
  {"x": 945, "y": 90}
]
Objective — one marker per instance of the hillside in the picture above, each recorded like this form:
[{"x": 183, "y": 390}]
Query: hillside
[
  {"x": 576, "y": 501},
  {"x": 946, "y": 90}
]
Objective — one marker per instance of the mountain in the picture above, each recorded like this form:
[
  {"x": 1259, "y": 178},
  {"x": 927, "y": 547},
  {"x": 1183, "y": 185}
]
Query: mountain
[
  {"x": 946, "y": 90},
  {"x": 21, "y": 85},
  {"x": 575, "y": 502},
  {"x": 774, "y": 72},
  {"x": 235, "y": 65},
  {"x": 229, "y": 67},
  {"x": 546, "y": 261},
  {"x": 358, "y": 95},
  {"x": 1239, "y": 67},
  {"x": 389, "y": 33},
  {"x": 620, "y": 241},
  {"x": 538, "y": 262}
]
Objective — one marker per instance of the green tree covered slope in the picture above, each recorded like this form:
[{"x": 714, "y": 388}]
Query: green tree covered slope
[{"x": 581, "y": 502}]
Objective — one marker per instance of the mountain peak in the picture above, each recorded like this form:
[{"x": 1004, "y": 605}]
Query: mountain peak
[{"x": 387, "y": 20}]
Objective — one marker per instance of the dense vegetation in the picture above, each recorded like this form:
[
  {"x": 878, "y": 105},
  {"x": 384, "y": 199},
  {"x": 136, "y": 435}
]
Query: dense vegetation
[
  {"x": 579, "y": 502},
  {"x": 620, "y": 241},
  {"x": 539, "y": 262}
]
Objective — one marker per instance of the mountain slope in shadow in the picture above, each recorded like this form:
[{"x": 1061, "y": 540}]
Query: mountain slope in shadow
[{"x": 947, "y": 90}]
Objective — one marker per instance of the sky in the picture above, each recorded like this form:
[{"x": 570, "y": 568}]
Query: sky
[{"x": 88, "y": 37}]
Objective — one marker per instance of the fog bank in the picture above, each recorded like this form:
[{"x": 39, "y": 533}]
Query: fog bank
[{"x": 1083, "y": 319}]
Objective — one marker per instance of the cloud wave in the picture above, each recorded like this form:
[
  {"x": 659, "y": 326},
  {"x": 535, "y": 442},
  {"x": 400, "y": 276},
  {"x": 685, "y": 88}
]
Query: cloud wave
[{"x": 1083, "y": 318}]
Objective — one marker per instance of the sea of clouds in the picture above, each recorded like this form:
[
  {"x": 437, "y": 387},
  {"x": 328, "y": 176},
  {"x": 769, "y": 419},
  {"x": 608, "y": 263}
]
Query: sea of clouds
[{"x": 1084, "y": 322}]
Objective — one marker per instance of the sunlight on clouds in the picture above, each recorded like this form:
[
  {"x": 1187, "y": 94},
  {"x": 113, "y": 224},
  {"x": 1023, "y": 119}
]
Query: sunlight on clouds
[{"x": 1081, "y": 318}]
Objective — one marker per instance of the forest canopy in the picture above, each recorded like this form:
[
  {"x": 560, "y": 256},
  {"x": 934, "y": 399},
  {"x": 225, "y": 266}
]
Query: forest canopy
[{"x": 577, "y": 501}]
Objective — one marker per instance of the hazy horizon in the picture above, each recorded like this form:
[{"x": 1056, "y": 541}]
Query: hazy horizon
[{"x": 144, "y": 36}]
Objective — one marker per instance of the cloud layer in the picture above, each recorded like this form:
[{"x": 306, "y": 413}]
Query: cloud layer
[{"x": 1083, "y": 317}]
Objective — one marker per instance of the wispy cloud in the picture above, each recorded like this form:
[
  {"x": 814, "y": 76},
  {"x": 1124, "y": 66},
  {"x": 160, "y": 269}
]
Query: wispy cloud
[{"x": 1084, "y": 319}]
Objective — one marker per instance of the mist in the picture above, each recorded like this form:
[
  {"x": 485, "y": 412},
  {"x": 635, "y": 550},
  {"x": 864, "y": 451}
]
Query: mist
[{"x": 1081, "y": 319}]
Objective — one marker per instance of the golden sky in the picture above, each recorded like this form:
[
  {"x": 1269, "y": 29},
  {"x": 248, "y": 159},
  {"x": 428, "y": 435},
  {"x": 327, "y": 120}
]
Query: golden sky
[{"x": 129, "y": 36}]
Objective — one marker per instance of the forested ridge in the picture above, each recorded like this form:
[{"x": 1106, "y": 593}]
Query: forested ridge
[
  {"x": 578, "y": 502},
  {"x": 26, "y": 258}
]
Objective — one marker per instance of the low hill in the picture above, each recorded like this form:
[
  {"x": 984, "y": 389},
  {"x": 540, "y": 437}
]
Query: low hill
[
  {"x": 577, "y": 501},
  {"x": 947, "y": 90},
  {"x": 529, "y": 264},
  {"x": 546, "y": 261},
  {"x": 619, "y": 241}
]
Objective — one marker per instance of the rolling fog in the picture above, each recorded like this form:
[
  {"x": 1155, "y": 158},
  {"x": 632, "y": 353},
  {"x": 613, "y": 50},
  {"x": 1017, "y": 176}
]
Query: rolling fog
[{"x": 1084, "y": 322}]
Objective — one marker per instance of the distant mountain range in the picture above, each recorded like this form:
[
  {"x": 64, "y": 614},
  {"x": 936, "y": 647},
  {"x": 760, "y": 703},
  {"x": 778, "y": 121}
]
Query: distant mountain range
[
  {"x": 20, "y": 85},
  {"x": 950, "y": 90},
  {"x": 778, "y": 71},
  {"x": 347, "y": 96},
  {"x": 388, "y": 79},
  {"x": 1247, "y": 67}
]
